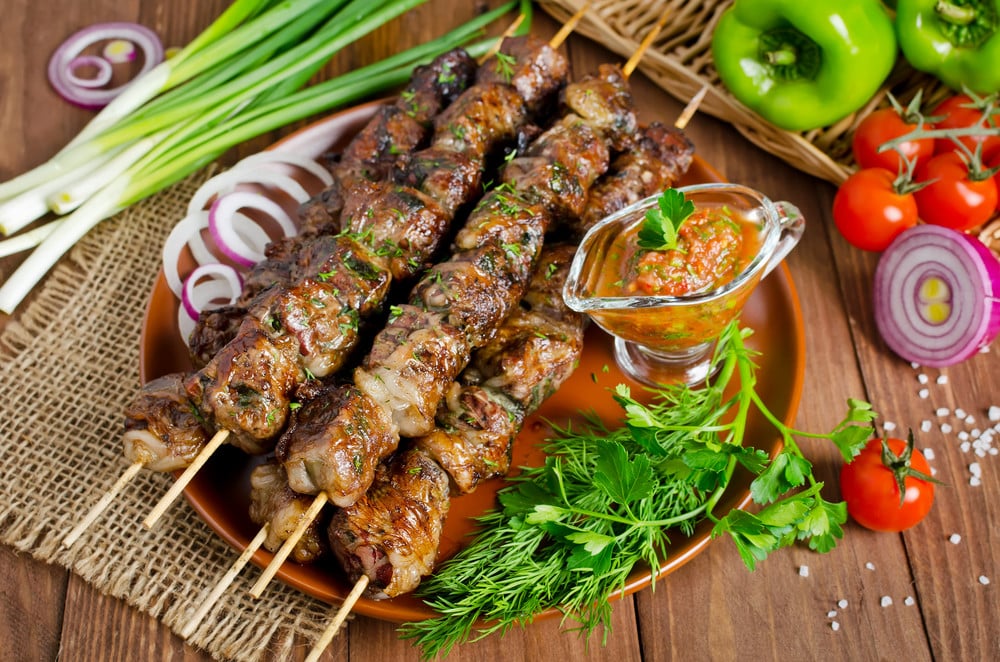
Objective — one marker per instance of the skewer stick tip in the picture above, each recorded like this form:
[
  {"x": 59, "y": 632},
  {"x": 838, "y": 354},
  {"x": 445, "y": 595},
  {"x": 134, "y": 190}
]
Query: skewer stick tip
[
  {"x": 102, "y": 504},
  {"x": 691, "y": 108},
  {"x": 331, "y": 630},
  {"x": 189, "y": 473},
  {"x": 568, "y": 26},
  {"x": 633, "y": 61},
  {"x": 286, "y": 548}
]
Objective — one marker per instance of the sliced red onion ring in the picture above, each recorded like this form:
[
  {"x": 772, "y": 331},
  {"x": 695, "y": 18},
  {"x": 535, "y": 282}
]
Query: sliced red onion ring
[
  {"x": 186, "y": 233},
  {"x": 937, "y": 296},
  {"x": 285, "y": 157},
  {"x": 119, "y": 51},
  {"x": 228, "y": 181},
  {"x": 210, "y": 284},
  {"x": 60, "y": 64},
  {"x": 101, "y": 77},
  {"x": 223, "y": 219}
]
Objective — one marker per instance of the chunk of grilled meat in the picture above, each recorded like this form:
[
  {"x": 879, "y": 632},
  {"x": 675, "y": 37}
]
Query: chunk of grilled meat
[
  {"x": 341, "y": 435},
  {"x": 274, "y": 503},
  {"x": 163, "y": 429},
  {"x": 391, "y": 534}
]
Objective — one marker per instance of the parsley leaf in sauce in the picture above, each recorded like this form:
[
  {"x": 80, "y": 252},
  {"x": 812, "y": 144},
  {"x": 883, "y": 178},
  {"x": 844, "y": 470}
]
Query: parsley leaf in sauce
[{"x": 659, "y": 229}]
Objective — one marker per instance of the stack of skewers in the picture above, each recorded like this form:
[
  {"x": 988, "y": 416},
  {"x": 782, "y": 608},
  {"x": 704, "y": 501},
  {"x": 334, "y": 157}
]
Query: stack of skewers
[{"x": 386, "y": 426}]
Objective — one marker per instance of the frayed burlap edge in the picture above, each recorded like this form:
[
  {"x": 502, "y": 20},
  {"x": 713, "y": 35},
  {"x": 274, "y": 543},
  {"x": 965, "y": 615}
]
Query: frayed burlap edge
[{"x": 70, "y": 365}]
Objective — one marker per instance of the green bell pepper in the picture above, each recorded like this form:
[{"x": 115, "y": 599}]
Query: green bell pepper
[
  {"x": 804, "y": 64},
  {"x": 958, "y": 41}
]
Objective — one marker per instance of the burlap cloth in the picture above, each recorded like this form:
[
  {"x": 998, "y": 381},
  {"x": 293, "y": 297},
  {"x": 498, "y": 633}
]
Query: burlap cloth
[{"x": 70, "y": 364}]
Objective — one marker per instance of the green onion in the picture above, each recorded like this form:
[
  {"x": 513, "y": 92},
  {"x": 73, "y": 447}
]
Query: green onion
[{"x": 239, "y": 78}]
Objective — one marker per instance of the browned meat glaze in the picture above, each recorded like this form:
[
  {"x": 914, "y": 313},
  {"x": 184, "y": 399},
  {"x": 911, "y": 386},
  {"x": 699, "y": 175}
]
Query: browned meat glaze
[
  {"x": 363, "y": 432},
  {"x": 273, "y": 502},
  {"x": 385, "y": 535},
  {"x": 529, "y": 68},
  {"x": 656, "y": 162},
  {"x": 391, "y": 534},
  {"x": 163, "y": 430}
]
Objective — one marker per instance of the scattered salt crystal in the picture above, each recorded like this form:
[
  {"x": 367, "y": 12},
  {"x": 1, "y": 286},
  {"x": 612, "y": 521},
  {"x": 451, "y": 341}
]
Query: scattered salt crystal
[
  {"x": 842, "y": 603},
  {"x": 994, "y": 413},
  {"x": 831, "y": 614},
  {"x": 934, "y": 471},
  {"x": 925, "y": 426},
  {"x": 975, "y": 433},
  {"x": 975, "y": 481},
  {"x": 889, "y": 426},
  {"x": 975, "y": 469},
  {"x": 924, "y": 393},
  {"x": 885, "y": 601},
  {"x": 929, "y": 454},
  {"x": 942, "y": 411},
  {"x": 942, "y": 379},
  {"x": 946, "y": 428},
  {"x": 834, "y": 625},
  {"x": 922, "y": 378},
  {"x": 984, "y": 580},
  {"x": 993, "y": 451},
  {"x": 954, "y": 539},
  {"x": 963, "y": 435},
  {"x": 914, "y": 365},
  {"x": 909, "y": 601},
  {"x": 970, "y": 419},
  {"x": 965, "y": 446},
  {"x": 960, "y": 413},
  {"x": 803, "y": 571},
  {"x": 870, "y": 565}
]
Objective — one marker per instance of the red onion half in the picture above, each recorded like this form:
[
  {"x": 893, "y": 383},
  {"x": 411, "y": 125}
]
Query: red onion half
[{"x": 937, "y": 296}]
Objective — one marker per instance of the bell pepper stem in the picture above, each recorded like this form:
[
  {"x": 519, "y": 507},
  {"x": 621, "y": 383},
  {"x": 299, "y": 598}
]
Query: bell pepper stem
[
  {"x": 783, "y": 56},
  {"x": 955, "y": 14}
]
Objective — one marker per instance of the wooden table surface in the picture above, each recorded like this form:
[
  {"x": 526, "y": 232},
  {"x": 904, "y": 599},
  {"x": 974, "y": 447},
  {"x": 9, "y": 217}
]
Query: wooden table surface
[{"x": 942, "y": 604}]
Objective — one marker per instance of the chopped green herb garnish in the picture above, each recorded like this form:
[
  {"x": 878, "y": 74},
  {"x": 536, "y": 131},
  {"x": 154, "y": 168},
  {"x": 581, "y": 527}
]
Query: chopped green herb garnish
[{"x": 659, "y": 229}]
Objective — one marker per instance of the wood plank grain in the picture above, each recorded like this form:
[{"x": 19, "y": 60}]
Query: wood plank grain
[{"x": 31, "y": 598}]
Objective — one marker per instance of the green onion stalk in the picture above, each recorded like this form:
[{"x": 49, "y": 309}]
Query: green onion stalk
[{"x": 245, "y": 75}]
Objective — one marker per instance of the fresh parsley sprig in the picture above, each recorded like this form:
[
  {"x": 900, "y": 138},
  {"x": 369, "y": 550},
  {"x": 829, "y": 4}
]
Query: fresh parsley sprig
[
  {"x": 662, "y": 223},
  {"x": 567, "y": 535}
]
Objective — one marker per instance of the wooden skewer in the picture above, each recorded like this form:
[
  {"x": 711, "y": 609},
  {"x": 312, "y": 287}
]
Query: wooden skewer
[
  {"x": 161, "y": 506},
  {"x": 331, "y": 630},
  {"x": 102, "y": 504},
  {"x": 224, "y": 583},
  {"x": 691, "y": 108},
  {"x": 633, "y": 61},
  {"x": 568, "y": 26},
  {"x": 289, "y": 544}
]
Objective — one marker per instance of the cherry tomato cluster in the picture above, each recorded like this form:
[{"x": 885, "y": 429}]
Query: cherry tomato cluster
[{"x": 941, "y": 170}]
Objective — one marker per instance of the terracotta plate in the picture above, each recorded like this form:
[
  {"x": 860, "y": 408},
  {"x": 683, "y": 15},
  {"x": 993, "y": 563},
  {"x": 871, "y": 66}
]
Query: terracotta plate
[{"x": 220, "y": 492}]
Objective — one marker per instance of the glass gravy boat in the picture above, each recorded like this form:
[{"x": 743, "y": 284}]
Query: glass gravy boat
[{"x": 660, "y": 339}]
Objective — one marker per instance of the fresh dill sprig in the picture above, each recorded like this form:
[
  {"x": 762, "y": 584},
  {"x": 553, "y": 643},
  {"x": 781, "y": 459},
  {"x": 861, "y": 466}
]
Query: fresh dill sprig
[{"x": 567, "y": 535}]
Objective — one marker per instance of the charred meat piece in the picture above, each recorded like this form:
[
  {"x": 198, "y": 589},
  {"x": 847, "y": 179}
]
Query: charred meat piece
[
  {"x": 605, "y": 103},
  {"x": 333, "y": 443},
  {"x": 392, "y": 534},
  {"x": 530, "y": 66},
  {"x": 273, "y": 502},
  {"x": 246, "y": 388},
  {"x": 661, "y": 155},
  {"x": 452, "y": 179},
  {"x": 163, "y": 429},
  {"x": 479, "y": 121},
  {"x": 412, "y": 361}
]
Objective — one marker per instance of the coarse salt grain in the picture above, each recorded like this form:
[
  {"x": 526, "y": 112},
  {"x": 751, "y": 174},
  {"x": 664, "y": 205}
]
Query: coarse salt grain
[
  {"x": 929, "y": 454},
  {"x": 885, "y": 601},
  {"x": 946, "y": 428},
  {"x": 984, "y": 580},
  {"x": 942, "y": 379},
  {"x": 831, "y": 614},
  {"x": 889, "y": 426},
  {"x": 965, "y": 446},
  {"x": 975, "y": 481},
  {"x": 924, "y": 394},
  {"x": 954, "y": 539},
  {"x": 909, "y": 601},
  {"x": 842, "y": 604},
  {"x": 963, "y": 435},
  {"x": 959, "y": 413},
  {"x": 970, "y": 419},
  {"x": 834, "y": 625},
  {"x": 803, "y": 571},
  {"x": 994, "y": 413},
  {"x": 870, "y": 565},
  {"x": 975, "y": 469},
  {"x": 925, "y": 426},
  {"x": 914, "y": 365},
  {"x": 942, "y": 411},
  {"x": 922, "y": 378}
]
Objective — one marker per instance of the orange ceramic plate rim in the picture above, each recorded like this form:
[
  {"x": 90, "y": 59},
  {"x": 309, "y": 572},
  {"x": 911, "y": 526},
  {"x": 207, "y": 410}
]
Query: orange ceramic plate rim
[{"x": 158, "y": 355}]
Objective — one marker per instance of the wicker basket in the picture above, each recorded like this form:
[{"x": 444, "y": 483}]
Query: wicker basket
[{"x": 680, "y": 61}]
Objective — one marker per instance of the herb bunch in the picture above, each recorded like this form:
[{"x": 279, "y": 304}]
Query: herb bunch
[{"x": 567, "y": 535}]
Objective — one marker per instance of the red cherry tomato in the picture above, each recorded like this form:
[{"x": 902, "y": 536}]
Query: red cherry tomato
[
  {"x": 951, "y": 199},
  {"x": 992, "y": 160},
  {"x": 959, "y": 112},
  {"x": 871, "y": 491},
  {"x": 880, "y": 127},
  {"x": 868, "y": 210}
]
